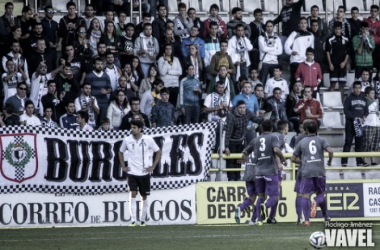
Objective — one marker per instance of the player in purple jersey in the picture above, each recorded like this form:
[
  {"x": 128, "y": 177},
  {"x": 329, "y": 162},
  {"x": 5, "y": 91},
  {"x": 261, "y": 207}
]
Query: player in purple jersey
[
  {"x": 303, "y": 134},
  {"x": 309, "y": 153},
  {"x": 265, "y": 148}
]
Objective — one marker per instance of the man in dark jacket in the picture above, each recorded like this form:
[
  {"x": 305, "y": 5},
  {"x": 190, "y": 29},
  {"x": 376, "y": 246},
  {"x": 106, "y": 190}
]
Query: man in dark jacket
[
  {"x": 289, "y": 16},
  {"x": 236, "y": 130},
  {"x": 355, "y": 110},
  {"x": 135, "y": 109}
]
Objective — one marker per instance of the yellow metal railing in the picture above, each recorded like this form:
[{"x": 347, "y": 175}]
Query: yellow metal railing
[{"x": 293, "y": 166}]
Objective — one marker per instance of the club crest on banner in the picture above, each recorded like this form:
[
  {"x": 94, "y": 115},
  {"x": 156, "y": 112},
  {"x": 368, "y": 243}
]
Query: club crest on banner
[{"x": 18, "y": 157}]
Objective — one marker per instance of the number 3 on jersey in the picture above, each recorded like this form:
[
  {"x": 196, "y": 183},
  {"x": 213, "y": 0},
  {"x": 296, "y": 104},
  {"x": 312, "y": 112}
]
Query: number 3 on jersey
[
  {"x": 262, "y": 145},
  {"x": 312, "y": 147}
]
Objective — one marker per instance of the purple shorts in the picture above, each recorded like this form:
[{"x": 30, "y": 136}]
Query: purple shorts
[
  {"x": 251, "y": 188},
  {"x": 311, "y": 185},
  {"x": 267, "y": 184},
  {"x": 297, "y": 184},
  {"x": 279, "y": 174}
]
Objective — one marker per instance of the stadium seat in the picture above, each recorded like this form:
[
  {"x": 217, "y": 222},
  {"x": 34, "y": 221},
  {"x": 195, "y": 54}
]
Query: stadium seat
[
  {"x": 357, "y": 3},
  {"x": 319, "y": 3},
  {"x": 251, "y": 5},
  {"x": 206, "y": 5},
  {"x": 173, "y": 5},
  {"x": 371, "y": 2},
  {"x": 225, "y": 7},
  {"x": 194, "y": 4},
  {"x": 271, "y": 7},
  {"x": 330, "y": 5},
  {"x": 332, "y": 120},
  {"x": 332, "y": 100}
]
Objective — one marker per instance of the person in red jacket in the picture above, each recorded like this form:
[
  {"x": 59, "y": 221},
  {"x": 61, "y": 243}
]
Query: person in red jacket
[
  {"x": 309, "y": 72},
  {"x": 374, "y": 30},
  {"x": 308, "y": 107}
]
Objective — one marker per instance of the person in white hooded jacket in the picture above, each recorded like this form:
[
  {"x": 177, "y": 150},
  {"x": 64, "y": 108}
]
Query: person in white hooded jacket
[
  {"x": 118, "y": 109},
  {"x": 146, "y": 48},
  {"x": 296, "y": 46}
]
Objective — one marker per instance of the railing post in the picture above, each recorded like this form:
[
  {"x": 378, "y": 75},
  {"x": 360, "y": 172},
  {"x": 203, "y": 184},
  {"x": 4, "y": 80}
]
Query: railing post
[
  {"x": 131, "y": 10},
  {"x": 220, "y": 152},
  {"x": 78, "y": 6},
  {"x": 140, "y": 10}
]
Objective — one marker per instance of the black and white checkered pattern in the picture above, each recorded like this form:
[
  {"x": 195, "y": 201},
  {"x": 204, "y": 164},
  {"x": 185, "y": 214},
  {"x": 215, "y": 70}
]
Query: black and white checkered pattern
[
  {"x": 19, "y": 173},
  {"x": 156, "y": 183}
]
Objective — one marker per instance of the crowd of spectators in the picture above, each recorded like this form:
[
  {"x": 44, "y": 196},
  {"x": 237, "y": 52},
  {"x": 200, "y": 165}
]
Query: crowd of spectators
[{"x": 169, "y": 72}]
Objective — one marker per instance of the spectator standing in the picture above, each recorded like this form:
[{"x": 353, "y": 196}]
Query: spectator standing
[
  {"x": 163, "y": 112},
  {"x": 170, "y": 69},
  {"x": 117, "y": 110},
  {"x": 159, "y": 23},
  {"x": 355, "y": 24},
  {"x": 47, "y": 122},
  {"x": 342, "y": 22},
  {"x": 135, "y": 110},
  {"x": 146, "y": 48},
  {"x": 365, "y": 80},
  {"x": 101, "y": 86},
  {"x": 355, "y": 109},
  {"x": 289, "y": 15},
  {"x": 66, "y": 82},
  {"x": 257, "y": 29},
  {"x": 374, "y": 30},
  {"x": 229, "y": 88},
  {"x": 69, "y": 120},
  {"x": 28, "y": 118},
  {"x": 221, "y": 58},
  {"x": 18, "y": 100},
  {"x": 189, "y": 96},
  {"x": 371, "y": 125},
  {"x": 113, "y": 71},
  {"x": 314, "y": 11},
  {"x": 86, "y": 102},
  {"x": 112, "y": 41},
  {"x": 296, "y": 46},
  {"x": 191, "y": 12},
  {"x": 50, "y": 31},
  {"x": 276, "y": 82},
  {"x": 270, "y": 47},
  {"x": 308, "y": 107},
  {"x": 337, "y": 57},
  {"x": 237, "y": 14},
  {"x": 364, "y": 46},
  {"x": 127, "y": 44},
  {"x": 212, "y": 46},
  {"x": 147, "y": 82},
  {"x": 309, "y": 72},
  {"x": 278, "y": 105},
  {"x": 52, "y": 100},
  {"x": 291, "y": 100},
  {"x": 193, "y": 39},
  {"x": 222, "y": 27},
  {"x": 11, "y": 78},
  {"x": 7, "y": 22},
  {"x": 69, "y": 23},
  {"x": 182, "y": 22},
  {"x": 150, "y": 97},
  {"x": 82, "y": 120}
]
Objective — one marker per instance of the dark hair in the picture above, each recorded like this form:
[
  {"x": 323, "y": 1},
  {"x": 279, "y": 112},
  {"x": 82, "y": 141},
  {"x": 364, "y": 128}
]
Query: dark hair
[
  {"x": 125, "y": 102},
  {"x": 219, "y": 83},
  {"x": 266, "y": 126},
  {"x": 70, "y": 4},
  {"x": 134, "y": 99},
  {"x": 186, "y": 65},
  {"x": 257, "y": 11},
  {"x": 313, "y": 7},
  {"x": 276, "y": 89},
  {"x": 159, "y": 6},
  {"x": 67, "y": 102},
  {"x": 312, "y": 127},
  {"x": 368, "y": 89},
  {"x": 89, "y": 5},
  {"x": 306, "y": 87},
  {"x": 86, "y": 83},
  {"x": 223, "y": 41},
  {"x": 269, "y": 21},
  {"x": 8, "y": 4},
  {"x": 258, "y": 85},
  {"x": 104, "y": 120},
  {"x": 146, "y": 14},
  {"x": 279, "y": 67},
  {"x": 26, "y": 9},
  {"x": 121, "y": 12},
  {"x": 164, "y": 91},
  {"x": 153, "y": 66},
  {"x": 8, "y": 108},
  {"x": 241, "y": 102},
  {"x": 104, "y": 35},
  {"x": 190, "y": 9},
  {"x": 146, "y": 25},
  {"x": 235, "y": 9},
  {"x": 310, "y": 50},
  {"x": 28, "y": 102},
  {"x": 354, "y": 8},
  {"x": 182, "y": 5},
  {"x": 302, "y": 18},
  {"x": 281, "y": 124},
  {"x": 364, "y": 70},
  {"x": 364, "y": 25},
  {"x": 374, "y": 6},
  {"x": 212, "y": 23},
  {"x": 158, "y": 82},
  {"x": 21, "y": 83},
  {"x": 48, "y": 7},
  {"x": 239, "y": 26},
  {"x": 50, "y": 82},
  {"x": 83, "y": 114},
  {"x": 305, "y": 122},
  {"x": 129, "y": 25},
  {"x": 138, "y": 124},
  {"x": 97, "y": 59},
  {"x": 214, "y": 6},
  {"x": 356, "y": 83},
  {"x": 342, "y": 7}
]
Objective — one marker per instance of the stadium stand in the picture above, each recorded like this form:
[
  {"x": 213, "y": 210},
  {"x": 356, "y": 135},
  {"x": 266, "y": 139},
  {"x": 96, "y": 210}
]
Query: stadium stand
[
  {"x": 332, "y": 6},
  {"x": 251, "y": 5},
  {"x": 359, "y": 4},
  {"x": 332, "y": 100},
  {"x": 319, "y": 3},
  {"x": 332, "y": 120}
]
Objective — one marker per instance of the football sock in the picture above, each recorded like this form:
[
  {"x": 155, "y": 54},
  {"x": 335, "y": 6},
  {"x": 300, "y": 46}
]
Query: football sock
[
  {"x": 254, "y": 214},
  {"x": 306, "y": 208},
  {"x": 245, "y": 204},
  {"x": 319, "y": 198},
  {"x": 273, "y": 211},
  {"x": 299, "y": 206},
  {"x": 258, "y": 204},
  {"x": 144, "y": 210},
  {"x": 132, "y": 208},
  {"x": 323, "y": 206},
  {"x": 271, "y": 202}
]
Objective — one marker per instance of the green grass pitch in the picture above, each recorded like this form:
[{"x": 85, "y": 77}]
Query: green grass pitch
[{"x": 282, "y": 236}]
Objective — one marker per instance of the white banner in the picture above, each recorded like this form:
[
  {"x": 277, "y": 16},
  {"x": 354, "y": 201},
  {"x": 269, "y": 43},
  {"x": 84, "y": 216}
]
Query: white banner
[
  {"x": 371, "y": 199},
  {"x": 61, "y": 161},
  {"x": 172, "y": 207}
]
